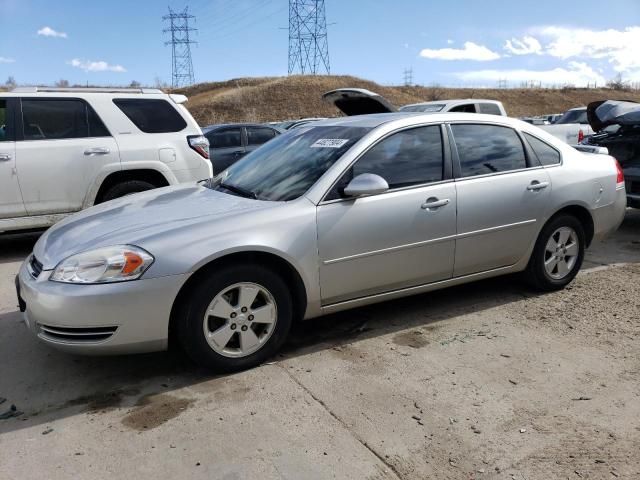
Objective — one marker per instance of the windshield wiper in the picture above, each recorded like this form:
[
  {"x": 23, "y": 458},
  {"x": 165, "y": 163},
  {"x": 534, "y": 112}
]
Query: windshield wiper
[{"x": 239, "y": 190}]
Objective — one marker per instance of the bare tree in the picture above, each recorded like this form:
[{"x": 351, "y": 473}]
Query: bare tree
[
  {"x": 435, "y": 92},
  {"x": 134, "y": 84},
  {"x": 618, "y": 83},
  {"x": 62, "y": 83},
  {"x": 11, "y": 82}
]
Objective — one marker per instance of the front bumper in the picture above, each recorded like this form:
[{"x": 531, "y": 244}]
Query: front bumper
[{"x": 115, "y": 318}]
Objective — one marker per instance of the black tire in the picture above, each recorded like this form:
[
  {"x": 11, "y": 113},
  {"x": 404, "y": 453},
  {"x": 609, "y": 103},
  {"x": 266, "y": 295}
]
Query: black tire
[
  {"x": 536, "y": 274},
  {"x": 191, "y": 317},
  {"x": 127, "y": 188}
]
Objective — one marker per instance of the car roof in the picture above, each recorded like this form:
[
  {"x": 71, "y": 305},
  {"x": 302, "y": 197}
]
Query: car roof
[
  {"x": 209, "y": 128},
  {"x": 376, "y": 119}
]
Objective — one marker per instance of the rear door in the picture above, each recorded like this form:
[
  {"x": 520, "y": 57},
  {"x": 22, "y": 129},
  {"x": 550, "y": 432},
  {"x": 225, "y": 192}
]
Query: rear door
[
  {"x": 256, "y": 136},
  {"x": 392, "y": 240},
  {"x": 502, "y": 197},
  {"x": 225, "y": 147},
  {"x": 62, "y": 146},
  {"x": 11, "y": 204}
]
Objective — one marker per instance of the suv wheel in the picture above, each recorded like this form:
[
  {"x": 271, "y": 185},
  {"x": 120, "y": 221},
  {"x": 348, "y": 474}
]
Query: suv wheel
[
  {"x": 558, "y": 254},
  {"x": 236, "y": 318},
  {"x": 127, "y": 188}
]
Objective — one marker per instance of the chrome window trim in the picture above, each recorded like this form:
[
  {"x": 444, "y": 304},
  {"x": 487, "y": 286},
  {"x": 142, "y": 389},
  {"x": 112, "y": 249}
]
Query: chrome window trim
[{"x": 547, "y": 144}]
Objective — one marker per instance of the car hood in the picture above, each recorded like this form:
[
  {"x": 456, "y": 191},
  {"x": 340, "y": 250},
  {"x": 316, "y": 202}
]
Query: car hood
[
  {"x": 358, "y": 101},
  {"x": 603, "y": 113},
  {"x": 139, "y": 218}
]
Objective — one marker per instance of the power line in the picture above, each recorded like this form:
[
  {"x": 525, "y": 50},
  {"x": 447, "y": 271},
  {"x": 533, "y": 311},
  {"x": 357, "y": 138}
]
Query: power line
[
  {"x": 181, "y": 64},
  {"x": 308, "y": 44}
]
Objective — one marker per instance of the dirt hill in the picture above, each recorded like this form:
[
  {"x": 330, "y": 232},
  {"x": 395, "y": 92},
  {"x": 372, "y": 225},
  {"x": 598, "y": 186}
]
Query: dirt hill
[{"x": 282, "y": 98}]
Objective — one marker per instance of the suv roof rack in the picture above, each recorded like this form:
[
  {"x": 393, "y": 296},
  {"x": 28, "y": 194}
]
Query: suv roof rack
[{"x": 85, "y": 89}]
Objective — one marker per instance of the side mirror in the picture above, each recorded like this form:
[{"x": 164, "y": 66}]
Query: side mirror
[{"x": 366, "y": 184}]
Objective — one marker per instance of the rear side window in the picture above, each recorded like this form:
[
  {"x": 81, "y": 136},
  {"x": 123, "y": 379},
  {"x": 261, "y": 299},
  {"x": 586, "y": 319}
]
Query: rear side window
[
  {"x": 484, "y": 149},
  {"x": 229, "y": 138},
  {"x": 259, "y": 135},
  {"x": 5, "y": 128},
  {"x": 151, "y": 115},
  {"x": 545, "y": 152},
  {"x": 466, "y": 108},
  {"x": 410, "y": 157},
  {"x": 490, "y": 109},
  {"x": 47, "y": 119}
]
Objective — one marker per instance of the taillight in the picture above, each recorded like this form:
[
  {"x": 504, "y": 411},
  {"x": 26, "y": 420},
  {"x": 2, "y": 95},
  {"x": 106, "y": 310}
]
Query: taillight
[
  {"x": 580, "y": 136},
  {"x": 200, "y": 144},
  {"x": 620, "y": 177}
]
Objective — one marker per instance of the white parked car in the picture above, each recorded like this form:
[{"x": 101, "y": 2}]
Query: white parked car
[
  {"x": 66, "y": 149},
  {"x": 572, "y": 127}
]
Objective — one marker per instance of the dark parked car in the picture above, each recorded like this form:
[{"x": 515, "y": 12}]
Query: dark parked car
[
  {"x": 617, "y": 127},
  {"x": 229, "y": 142}
]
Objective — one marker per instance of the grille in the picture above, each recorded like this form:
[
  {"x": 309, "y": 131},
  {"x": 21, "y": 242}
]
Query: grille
[
  {"x": 36, "y": 267},
  {"x": 77, "y": 335}
]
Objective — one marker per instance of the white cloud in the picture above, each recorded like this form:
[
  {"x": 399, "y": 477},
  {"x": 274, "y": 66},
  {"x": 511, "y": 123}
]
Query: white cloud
[
  {"x": 6, "y": 60},
  {"x": 50, "y": 32},
  {"x": 449, "y": 42},
  {"x": 619, "y": 47},
  {"x": 576, "y": 73},
  {"x": 471, "y": 51},
  {"x": 99, "y": 66},
  {"x": 526, "y": 46}
]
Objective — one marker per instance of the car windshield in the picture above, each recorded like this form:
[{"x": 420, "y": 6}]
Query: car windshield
[
  {"x": 287, "y": 166},
  {"x": 428, "y": 108},
  {"x": 573, "y": 116}
]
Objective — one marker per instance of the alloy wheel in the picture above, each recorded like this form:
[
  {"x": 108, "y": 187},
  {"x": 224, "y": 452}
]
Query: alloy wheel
[{"x": 561, "y": 253}]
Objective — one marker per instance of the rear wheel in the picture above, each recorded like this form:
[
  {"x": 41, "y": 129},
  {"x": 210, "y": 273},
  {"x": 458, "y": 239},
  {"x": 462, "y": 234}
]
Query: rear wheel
[
  {"x": 127, "y": 188},
  {"x": 558, "y": 254},
  {"x": 236, "y": 319}
]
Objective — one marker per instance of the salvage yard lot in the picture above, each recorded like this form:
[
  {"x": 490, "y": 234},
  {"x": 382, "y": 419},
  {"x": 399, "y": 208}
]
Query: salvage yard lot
[{"x": 487, "y": 380}]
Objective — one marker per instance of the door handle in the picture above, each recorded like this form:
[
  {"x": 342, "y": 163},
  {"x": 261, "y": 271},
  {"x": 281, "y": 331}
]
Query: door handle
[
  {"x": 536, "y": 185},
  {"x": 433, "y": 203},
  {"x": 97, "y": 151},
  {"x": 5, "y": 157}
]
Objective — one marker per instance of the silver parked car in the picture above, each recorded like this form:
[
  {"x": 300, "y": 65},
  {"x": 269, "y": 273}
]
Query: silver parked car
[{"x": 326, "y": 217}]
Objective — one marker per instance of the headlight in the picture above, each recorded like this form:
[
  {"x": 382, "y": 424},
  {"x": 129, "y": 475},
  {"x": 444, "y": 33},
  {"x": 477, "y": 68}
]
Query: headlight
[{"x": 103, "y": 265}]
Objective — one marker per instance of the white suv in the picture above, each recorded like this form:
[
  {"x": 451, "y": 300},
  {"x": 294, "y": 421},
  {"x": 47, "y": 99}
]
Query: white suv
[{"x": 62, "y": 149}]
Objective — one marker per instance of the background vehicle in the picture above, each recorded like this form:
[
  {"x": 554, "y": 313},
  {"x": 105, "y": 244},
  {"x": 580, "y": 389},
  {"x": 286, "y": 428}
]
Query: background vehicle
[
  {"x": 344, "y": 213},
  {"x": 289, "y": 124},
  {"x": 359, "y": 101},
  {"x": 67, "y": 149},
  {"x": 571, "y": 127},
  {"x": 229, "y": 142},
  {"x": 617, "y": 127}
]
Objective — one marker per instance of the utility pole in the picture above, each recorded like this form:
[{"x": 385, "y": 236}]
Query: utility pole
[
  {"x": 308, "y": 45},
  {"x": 502, "y": 83},
  {"x": 181, "y": 64},
  {"x": 408, "y": 77}
]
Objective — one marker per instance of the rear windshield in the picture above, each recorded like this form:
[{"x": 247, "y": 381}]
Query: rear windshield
[
  {"x": 427, "y": 108},
  {"x": 151, "y": 115},
  {"x": 287, "y": 166},
  {"x": 573, "y": 116}
]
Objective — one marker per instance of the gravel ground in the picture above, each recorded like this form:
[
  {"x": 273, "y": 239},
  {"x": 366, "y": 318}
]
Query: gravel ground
[{"x": 487, "y": 380}]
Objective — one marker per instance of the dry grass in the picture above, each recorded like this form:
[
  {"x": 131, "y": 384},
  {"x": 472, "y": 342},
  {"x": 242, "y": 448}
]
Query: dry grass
[{"x": 281, "y": 98}]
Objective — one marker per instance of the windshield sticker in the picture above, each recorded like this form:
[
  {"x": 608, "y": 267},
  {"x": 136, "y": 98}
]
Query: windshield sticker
[{"x": 329, "y": 143}]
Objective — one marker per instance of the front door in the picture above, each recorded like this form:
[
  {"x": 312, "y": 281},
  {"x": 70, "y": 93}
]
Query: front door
[
  {"x": 392, "y": 240},
  {"x": 11, "y": 204},
  {"x": 225, "y": 147},
  {"x": 502, "y": 197},
  {"x": 63, "y": 147}
]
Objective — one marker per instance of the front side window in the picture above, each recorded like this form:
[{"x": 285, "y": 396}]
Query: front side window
[
  {"x": 151, "y": 115},
  {"x": 547, "y": 155},
  {"x": 228, "y": 138},
  {"x": 259, "y": 135},
  {"x": 55, "y": 119},
  {"x": 485, "y": 149},
  {"x": 287, "y": 166}
]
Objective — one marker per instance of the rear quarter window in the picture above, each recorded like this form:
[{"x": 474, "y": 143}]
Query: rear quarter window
[
  {"x": 490, "y": 109},
  {"x": 547, "y": 155},
  {"x": 151, "y": 115}
]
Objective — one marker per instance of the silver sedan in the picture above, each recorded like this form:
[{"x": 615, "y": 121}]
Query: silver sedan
[{"x": 326, "y": 217}]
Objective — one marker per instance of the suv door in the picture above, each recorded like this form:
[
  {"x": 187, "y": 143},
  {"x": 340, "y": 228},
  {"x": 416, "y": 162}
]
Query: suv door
[
  {"x": 11, "y": 204},
  {"x": 225, "y": 147},
  {"x": 256, "y": 136},
  {"x": 392, "y": 240},
  {"x": 62, "y": 147},
  {"x": 502, "y": 195}
]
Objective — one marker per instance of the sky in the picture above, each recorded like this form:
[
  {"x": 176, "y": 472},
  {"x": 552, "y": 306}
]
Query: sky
[{"x": 453, "y": 43}]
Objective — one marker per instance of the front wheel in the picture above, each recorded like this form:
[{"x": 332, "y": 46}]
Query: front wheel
[
  {"x": 236, "y": 318},
  {"x": 558, "y": 254}
]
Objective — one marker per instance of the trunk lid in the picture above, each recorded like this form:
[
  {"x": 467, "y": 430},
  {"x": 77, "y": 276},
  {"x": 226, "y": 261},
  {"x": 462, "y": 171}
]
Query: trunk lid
[
  {"x": 603, "y": 113},
  {"x": 358, "y": 101}
]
